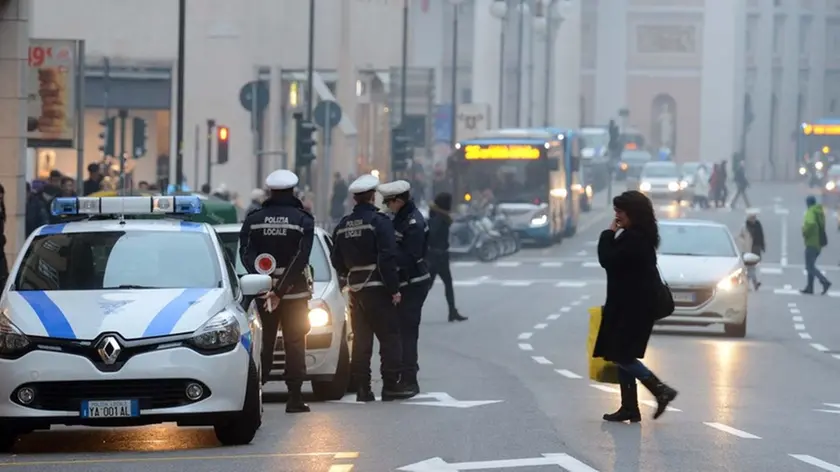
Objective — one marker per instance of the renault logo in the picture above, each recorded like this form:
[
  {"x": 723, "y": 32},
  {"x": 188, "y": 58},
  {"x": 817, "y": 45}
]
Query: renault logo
[{"x": 109, "y": 350}]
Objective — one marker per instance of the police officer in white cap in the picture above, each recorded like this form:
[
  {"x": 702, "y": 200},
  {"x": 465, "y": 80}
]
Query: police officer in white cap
[
  {"x": 276, "y": 240},
  {"x": 411, "y": 232},
  {"x": 365, "y": 255}
]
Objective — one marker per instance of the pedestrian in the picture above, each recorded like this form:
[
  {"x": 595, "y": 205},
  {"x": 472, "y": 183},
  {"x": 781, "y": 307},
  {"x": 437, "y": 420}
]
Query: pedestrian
[
  {"x": 741, "y": 184},
  {"x": 627, "y": 251},
  {"x": 257, "y": 198},
  {"x": 4, "y": 265},
  {"x": 339, "y": 195},
  {"x": 724, "y": 190},
  {"x": 94, "y": 181},
  {"x": 276, "y": 240},
  {"x": 411, "y": 234},
  {"x": 815, "y": 238},
  {"x": 440, "y": 220},
  {"x": 365, "y": 256},
  {"x": 701, "y": 187},
  {"x": 751, "y": 239}
]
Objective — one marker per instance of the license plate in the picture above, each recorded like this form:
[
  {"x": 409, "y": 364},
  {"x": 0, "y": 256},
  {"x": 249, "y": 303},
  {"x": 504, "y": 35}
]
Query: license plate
[
  {"x": 110, "y": 409},
  {"x": 683, "y": 297}
]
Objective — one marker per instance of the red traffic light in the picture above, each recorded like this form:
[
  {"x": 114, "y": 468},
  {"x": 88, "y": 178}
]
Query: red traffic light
[{"x": 223, "y": 133}]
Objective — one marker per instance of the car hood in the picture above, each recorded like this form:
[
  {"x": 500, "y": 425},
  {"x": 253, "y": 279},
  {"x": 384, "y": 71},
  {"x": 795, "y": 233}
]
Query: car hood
[
  {"x": 133, "y": 314},
  {"x": 696, "y": 270},
  {"x": 319, "y": 290},
  {"x": 659, "y": 180}
]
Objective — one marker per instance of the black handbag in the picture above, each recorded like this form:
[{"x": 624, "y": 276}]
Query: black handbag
[{"x": 664, "y": 300}]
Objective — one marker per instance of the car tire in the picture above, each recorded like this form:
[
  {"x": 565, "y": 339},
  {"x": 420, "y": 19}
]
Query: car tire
[
  {"x": 240, "y": 429},
  {"x": 736, "y": 330},
  {"x": 338, "y": 386},
  {"x": 488, "y": 252}
]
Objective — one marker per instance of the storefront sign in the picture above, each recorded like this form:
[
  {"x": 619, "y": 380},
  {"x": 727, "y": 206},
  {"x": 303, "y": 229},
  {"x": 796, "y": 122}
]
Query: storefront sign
[{"x": 51, "y": 111}]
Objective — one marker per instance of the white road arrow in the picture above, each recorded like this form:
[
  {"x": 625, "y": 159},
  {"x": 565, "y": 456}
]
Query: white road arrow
[
  {"x": 436, "y": 464},
  {"x": 832, "y": 405},
  {"x": 441, "y": 399}
]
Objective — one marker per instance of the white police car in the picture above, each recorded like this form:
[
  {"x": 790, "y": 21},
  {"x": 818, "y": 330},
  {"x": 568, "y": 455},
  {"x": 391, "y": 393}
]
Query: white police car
[
  {"x": 330, "y": 338},
  {"x": 115, "y": 322}
]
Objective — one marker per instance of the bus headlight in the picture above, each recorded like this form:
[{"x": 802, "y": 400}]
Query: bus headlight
[
  {"x": 644, "y": 187},
  {"x": 673, "y": 186}
]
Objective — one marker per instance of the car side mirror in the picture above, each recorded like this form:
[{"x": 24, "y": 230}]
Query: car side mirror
[
  {"x": 254, "y": 284},
  {"x": 751, "y": 259}
]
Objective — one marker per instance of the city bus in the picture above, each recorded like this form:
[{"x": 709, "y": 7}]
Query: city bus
[
  {"x": 527, "y": 174},
  {"x": 817, "y": 146}
]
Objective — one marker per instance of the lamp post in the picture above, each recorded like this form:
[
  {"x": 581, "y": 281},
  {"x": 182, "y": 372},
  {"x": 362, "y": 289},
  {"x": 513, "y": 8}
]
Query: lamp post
[
  {"x": 179, "y": 103},
  {"x": 522, "y": 9},
  {"x": 456, "y": 7},
  {"x": 547, "y": 23},
  {"x": 499, "y": 9}
]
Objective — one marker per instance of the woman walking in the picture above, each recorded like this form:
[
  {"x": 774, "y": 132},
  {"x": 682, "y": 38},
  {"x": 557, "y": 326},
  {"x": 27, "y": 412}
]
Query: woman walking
[
  {"x": 627, "y": 251},
  {"x": 751, "y": 239},
  {"x": 440, "y": 219}
]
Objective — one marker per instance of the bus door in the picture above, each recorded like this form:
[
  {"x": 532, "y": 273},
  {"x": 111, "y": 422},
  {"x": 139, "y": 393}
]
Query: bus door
[
  {"x": 558, "y": 185},
  {"x": 574, "y": 185}
]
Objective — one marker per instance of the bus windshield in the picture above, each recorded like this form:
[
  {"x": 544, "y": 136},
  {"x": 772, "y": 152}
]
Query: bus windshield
[
  {"x": 594, "y": 138},
  {"x": 509, "y": 181}
]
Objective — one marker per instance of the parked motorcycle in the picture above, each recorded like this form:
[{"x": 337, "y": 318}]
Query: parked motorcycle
[
  {"x": 509, "y": 238},
  {"x": 474, "y": 236}
]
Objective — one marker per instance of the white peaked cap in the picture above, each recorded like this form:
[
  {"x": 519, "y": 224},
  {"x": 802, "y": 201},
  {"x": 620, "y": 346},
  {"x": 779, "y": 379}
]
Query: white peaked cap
[
  {"x": 392, "y": 189},
  {"x": 363, "y": 184},
  {"x": 281, "y": 180},
  {"x": 753, "y": 211}
]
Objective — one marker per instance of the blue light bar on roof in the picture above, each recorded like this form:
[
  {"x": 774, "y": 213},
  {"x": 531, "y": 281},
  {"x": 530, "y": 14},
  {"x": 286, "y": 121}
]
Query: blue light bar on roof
[{"x": 178, "y": 204}]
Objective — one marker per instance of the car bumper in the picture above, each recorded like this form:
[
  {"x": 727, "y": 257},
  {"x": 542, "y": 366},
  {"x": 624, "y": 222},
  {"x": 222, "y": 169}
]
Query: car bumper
[
  {"x": 723, "y": 307},
  {"x": 662, "y": 194},
  {"x": 535, "y": 233},
  {"x": 224, "y": 376},
  {"x": 323, "y": 347}
]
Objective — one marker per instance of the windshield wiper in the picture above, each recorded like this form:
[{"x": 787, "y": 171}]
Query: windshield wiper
[{"x": 129, "y": 286}]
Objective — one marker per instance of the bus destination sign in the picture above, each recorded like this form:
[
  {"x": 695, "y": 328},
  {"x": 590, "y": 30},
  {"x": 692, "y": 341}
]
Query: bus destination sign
[
  {"x": 475, "y": 152},
  {"x": 820, "y": 130}
]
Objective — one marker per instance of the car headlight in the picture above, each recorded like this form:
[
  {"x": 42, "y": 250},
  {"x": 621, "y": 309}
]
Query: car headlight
[
  {"x": 683, "y": 184},
  {"x": 12, "y": 340},
  {"x": 220, "y": 332},
  {"x": 624, "y": 166},
  {"x": 539, "y": 220},
  {"x": 732, "y": 280},
  {"x": 589, "y": 191},
  {"x": 819, "y": 165},
  {"x": 673, "y": 186},
  {"x": 319, "y": 314},
  {"x": 830, "y": 186},
  {"x": 644, "y": 187},
  {"x": 803, "y": 171}
]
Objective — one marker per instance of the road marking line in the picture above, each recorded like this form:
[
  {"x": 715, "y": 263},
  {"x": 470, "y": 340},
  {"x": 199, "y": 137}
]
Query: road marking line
[
  {"x": 585, "y": 297},
  {"x": 653, "y": 404},
  {"x": 836, "y": 356},
  {"x": 805, "y": 336},
  {"x": 526, "y": 347},
  {"x": 605, "y": 388},
  {"x": 508, "y": 264},
  {"x": 341, "y": 468},
  {"x": 791, "y": 305},
  {"x": 795, "y": 311},
  {"x": 591, "y": 265},
  {"x": 582, "y": 253},
  {"x": 819, "y": 347},
  {"x": 524, "y": 336},
  {"x": 575, "y": 303},
  {"x": 833, "y": 293},
  {"x": 540, "y": 326},
  {"x": 541, "y": 360},
  {"x": 346, "y": 455},
  {"x": 570, "y": 284},
  {"x": 553, "y": 317},
  {"x": 568, "y": 374},
  {"x": 816, "y": 462},
  {"x": 771, "y": 270},
  {"x": 464, "y": 264},
  {"x": 551, "y": 264},
  {"x": 566, "y": 309},
  {"x": 731, "y": 430},
  {"x": 797, "y": 318},
  {"x": 128, "y": 460},
  {"x": 516, "y": 283},
  {"x": 799, "y": 327},
  {"x": 465, "y": 283},
  {"x": 784, "y": 240},
  {"x": 786, "y": 291}
]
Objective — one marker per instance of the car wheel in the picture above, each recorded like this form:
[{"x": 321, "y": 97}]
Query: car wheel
[
  {"x": 337, "y": 387},
  {"x": 240, "y": 429},
  {"x": 736, "y": 330},
  {"x": 488, "y": 252}
]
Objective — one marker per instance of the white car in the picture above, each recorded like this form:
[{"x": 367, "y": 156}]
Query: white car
[
  {"x": 706, "y": 273},
  {"x": 108, "y": 321},
  {"x": 661, "y": 180},
  {"x": 328, "y": 344}
]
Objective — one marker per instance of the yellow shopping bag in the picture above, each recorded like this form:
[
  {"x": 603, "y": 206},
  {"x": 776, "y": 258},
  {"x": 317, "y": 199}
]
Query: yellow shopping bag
[{"x": 600, "y": 370}]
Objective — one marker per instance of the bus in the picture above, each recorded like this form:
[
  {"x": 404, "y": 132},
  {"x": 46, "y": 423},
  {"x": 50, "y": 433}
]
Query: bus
[
  {"x": 817, "y": 145},
  {"x": 530, "y": 175}
]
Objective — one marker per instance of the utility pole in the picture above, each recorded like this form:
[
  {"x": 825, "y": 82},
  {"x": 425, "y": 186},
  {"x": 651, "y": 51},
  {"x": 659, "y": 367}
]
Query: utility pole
[
  {"x": 179, "y": 130},
  {"x": 310, "y": 88},
  {"x": 211, "y": 126},
  {"x": 404, "y": 73},
  {"x": 456, "y": 11},
  {"x": 123, "y": 114},
  {"x": 519, "y": 63}
]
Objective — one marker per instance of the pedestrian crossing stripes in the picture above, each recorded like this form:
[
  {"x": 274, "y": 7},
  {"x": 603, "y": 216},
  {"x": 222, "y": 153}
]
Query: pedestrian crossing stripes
[{"x": 584, "y": 263}]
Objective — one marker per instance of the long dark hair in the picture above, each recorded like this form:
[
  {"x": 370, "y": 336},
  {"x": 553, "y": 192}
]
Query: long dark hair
[{"x": 639, "y": 210}]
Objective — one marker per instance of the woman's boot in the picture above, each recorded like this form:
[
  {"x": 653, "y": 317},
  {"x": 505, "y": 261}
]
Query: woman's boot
[
  {"x": 629, "y": 410},
  {"x": 663, "y": 394}
]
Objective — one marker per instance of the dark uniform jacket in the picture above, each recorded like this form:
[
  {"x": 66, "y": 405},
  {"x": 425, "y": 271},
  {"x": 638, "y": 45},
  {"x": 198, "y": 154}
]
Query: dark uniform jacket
[
  {"x": 412, "y": 235},
  {"x": 365, "y": 250},
  {"x": 283, "y": 229},
  {"x": 440, "y": 221}
]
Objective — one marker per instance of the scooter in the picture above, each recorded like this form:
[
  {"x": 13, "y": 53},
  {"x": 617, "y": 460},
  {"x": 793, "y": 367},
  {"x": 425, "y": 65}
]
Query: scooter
[
  {"x": 473, "y": 236},
  {"x": 509, "y": 238}
]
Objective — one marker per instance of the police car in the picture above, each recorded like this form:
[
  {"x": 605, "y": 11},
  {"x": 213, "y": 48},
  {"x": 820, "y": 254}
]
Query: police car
[
  {"x": 329, "y": 341},
  {"x": 109, "y": 321}
]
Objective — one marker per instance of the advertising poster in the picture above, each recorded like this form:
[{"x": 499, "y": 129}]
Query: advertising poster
[{"x": 51, "y": 111}]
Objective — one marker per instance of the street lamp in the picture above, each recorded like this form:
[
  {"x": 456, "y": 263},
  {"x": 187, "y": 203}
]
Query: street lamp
[
  {"x": 499, "y": 10},
  {"x": 456, "y": 8},
  {"x": 547, "y": 23}
]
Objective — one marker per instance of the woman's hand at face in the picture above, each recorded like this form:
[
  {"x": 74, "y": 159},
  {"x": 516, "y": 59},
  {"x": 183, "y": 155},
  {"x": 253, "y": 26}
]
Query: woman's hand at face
[{"x": 614, "y": 225}]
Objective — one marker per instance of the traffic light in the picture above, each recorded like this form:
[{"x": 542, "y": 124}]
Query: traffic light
[
  {"x": 402, "y": 150},
  {"x": 304, "y": 142},
  {"x": 108, "y": 136},
  {"x": 139, "y": 137},
  {"x": 222, "y": 144}
]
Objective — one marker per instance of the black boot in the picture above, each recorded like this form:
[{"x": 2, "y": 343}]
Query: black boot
[
  {"x": 629, "y": 410},
  {"x": 364, "y": 393},
  {"x": 392, "y": 390},
  {"x": 663, "y": 394},
  {"x": 295, "y": 403},
  {"x": 409, "y": 384},
  {"x": 455, "y": 316}
]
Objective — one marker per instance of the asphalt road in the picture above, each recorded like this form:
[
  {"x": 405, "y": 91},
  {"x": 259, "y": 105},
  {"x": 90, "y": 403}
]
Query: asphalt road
[{"x": 508, "y": 389}]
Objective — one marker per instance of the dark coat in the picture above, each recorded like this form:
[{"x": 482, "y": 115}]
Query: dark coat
[{"x": 632, "y": 282}]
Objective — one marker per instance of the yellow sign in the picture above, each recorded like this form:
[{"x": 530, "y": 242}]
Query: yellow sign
[
  {"x": 474, "y": 152},
  {"x": 821, "y": 130}
]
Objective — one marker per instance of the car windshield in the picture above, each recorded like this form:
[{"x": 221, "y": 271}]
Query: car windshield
[
  {"x": 695, "y": 240},
  {"x": 690, "y": 168},
  {"x": 119, "y": 259},
  {"x": 635, "y": 156},
  {"x": 595, "y": 139},
  {"x": 834, "y": 171},
  {"x": 317, "y": 258},
  {"x": 660, "y": 170}
]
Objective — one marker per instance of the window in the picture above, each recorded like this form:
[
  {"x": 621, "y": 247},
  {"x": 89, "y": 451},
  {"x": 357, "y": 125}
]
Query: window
[
  {"x": 805, "y": 36},
  {"x": 752, "y": 31},
  {"x": 119, "y": 259},
  {"x": 695, "y": 240},
  {"x": 778, "y": 35},
  {"x": 317, "y": 258}
]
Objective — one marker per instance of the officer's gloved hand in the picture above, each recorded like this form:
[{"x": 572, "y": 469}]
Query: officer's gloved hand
[{"x": 342, "y": 282}]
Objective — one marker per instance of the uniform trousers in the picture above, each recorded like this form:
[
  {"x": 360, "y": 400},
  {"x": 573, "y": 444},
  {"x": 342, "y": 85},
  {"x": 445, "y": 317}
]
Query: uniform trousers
[
  {"x": 374, "y": 315},
  {"x": 411, "y": 308},
  {"x": 292, "y": 316}
]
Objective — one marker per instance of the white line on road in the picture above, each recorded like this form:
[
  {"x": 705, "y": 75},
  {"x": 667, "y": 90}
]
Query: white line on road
[
  {"x": 797, "y": 318},
  {"x": 575, "y": 303},
  {"x": 466, "y": 283},
  {"x": 653, "y": 404},
  {"x": 771, "y": 270},
  {"x": 464, "y": 264},
  {"x": 799, "y": 327},
  {"x": 605, "y": 388},
  {"x": 804, "y": 335},
  {"x": 819, "y": 347},
  {"x": 731, "y": 430},
  {"x": 791, "y": 305},
  {"x": 541, "y": 360},
  {"x": 540, "y": 326},
  {"x": 836, "y": 356},
  {"x": 553, "y": 317},
  {"x": 591, "y": 265},
  {"x": 582, "y": 253},
  {"x": 525, "y": 336},
  {"x": 786, "y": 291},
  {"x": 795, "y": 311},
  {"x": 508, "y": 264},
  {"x": 816, "y": 462},
  {"x": 784, "y": 240},
  {"x": 517, "y": 283},
  {"x": 526, "y": 347},
  {"x": 551, "y": 264},
  {"x": 568, "y": 374},
  {"x": 570, "y": 284},
  {"x": 585, "y": 297},
  {"x": 566, "y": 309}
]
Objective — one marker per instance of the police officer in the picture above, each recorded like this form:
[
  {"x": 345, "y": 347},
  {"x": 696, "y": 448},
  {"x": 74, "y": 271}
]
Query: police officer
[
  {"x": 411, "y": 234},
  {"x": 364, "y": 254},
  {"x": 276, "y": 239}
]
